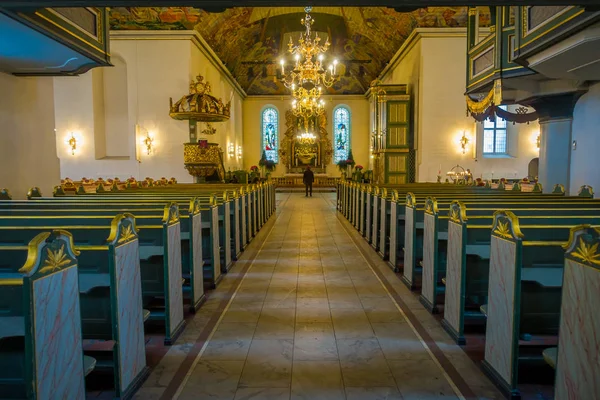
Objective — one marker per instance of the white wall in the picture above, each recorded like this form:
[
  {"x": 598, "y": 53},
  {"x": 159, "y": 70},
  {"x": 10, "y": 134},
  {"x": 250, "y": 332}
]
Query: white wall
[
  {"x": 253, "y": 107},
  {"x": 433, "y": 64},
  {"x": 27, "y": 140},
  {"x": 157, "y": 65},
  {"x": 584, "y": 159}
]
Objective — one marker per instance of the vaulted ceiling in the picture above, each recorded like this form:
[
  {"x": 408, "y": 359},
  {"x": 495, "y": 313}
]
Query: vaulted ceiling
[{"x": 249, "y": 40}]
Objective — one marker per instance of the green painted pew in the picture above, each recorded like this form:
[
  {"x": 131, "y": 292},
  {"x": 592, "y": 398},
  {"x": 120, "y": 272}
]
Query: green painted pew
[
  {"x": 414, "y": 222},
  {"x": 467, "y": 267},
  {"x": 159, "y": 253},
  {"x": 41, "y": 345},
  {"x": 576, "y": 361},
  {"x": 524, "y": 297},
  {"x": 204, "y": 218},
  {"x": 436, "y": 232}
]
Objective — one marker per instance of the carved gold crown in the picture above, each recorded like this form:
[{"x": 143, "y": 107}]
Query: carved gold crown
[{"x": 200, "y": 104}]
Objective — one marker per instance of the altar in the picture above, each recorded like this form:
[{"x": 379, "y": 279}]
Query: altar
[{"x": 305, "y": 143}]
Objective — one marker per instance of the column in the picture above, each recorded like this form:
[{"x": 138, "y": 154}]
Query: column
[
  {"x": 555, "y": 118},
  {"x": 555, "y": 153}
]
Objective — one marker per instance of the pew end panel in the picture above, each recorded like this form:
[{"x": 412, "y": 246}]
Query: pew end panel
[
  {"x": 127, "y": 307},
  {"x": 49, "y": 329},
  {"x": 172, "y": 274},
  {"x": 408, "y": 276},
  {"x": 197, "y": 295},
  {"x": 434, "y": 262},
  {"x": 5, "y": 194},
  {"x": 577, "y": 365},
  {"x": 502, "y": 332},
  {"x": 454, "y": 304},
  {"x": 393, "y": 252}
]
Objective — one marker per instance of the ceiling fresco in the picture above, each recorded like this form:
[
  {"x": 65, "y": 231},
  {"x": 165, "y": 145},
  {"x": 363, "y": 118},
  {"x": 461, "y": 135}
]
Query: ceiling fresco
[{"x": 250, "y": 40}]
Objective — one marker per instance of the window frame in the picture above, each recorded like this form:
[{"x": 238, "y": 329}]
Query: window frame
[
  {"x": 495, "y": 129},
  {"x": 275, "y": 155},
  {"x": 348, "y": 130}
]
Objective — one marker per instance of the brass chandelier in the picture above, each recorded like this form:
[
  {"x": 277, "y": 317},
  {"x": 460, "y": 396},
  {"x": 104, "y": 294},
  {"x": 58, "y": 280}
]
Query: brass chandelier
[
  {"x": 307, "y": 103},
  {"x": 308, "y": 76}
]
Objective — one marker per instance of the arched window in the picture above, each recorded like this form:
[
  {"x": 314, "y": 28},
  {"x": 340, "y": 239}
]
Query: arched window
[
  {"x": 270, "y": 133},
  {"x": 341, "y": 133}
]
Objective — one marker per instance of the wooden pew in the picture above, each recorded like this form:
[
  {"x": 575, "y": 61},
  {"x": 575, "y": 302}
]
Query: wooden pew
[
  {"x": 159, "y": 252},
  {"x": 41, "y": 355},
  {"x": 467, "y": 267},
  {"x": 577, "y": 365},
  {"x": 205, "y": 216},
  {"x": 435, "y": 236},
  {"x": 415, "y": 216},
  {"x": 523, "y": 309}
]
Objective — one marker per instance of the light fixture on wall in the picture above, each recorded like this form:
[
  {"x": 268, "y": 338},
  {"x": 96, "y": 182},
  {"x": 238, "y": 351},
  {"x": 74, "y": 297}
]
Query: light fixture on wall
[
  {"x": 231, "y": 150},
  {"x": 148, "y": 141},
  {"x": 464, "y": 142},
  {"x": 239, "y": 152},
  {"x": 537, "y": 141},
  {"x": 73, "y": 144}
]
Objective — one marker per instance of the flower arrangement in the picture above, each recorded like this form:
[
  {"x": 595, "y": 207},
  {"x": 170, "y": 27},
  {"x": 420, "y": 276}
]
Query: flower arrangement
[
  {"x": 269, "y": 165},
  {"x": 359, "y": 167},
  {"x": 254, "y": 168}
]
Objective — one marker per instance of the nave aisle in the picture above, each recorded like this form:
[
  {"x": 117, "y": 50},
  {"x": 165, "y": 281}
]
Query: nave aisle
[{"x": 304, "y": 315}]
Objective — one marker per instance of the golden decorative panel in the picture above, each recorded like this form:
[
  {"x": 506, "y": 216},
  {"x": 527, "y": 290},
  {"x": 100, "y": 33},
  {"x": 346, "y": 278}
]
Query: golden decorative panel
[
  {"x": 397, "y": 179},
  {"x": 398, "y": 113},
  {"x": 397, "y": 163},
  {"x": 397, "y": 136}
]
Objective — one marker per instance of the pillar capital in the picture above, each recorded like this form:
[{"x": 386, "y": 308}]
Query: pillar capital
[{"x": 556, "y": 106}]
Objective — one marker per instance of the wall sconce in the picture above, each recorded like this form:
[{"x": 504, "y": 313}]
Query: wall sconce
[
  {"x": 231, "y": 150},
  {"x": 464, "y": 141},
  {"x": 73, "y": 144},
  {"x": 537, "y": 141},
  {"x": 239, "y": 152},
  {"x": 148, "y": 140}
]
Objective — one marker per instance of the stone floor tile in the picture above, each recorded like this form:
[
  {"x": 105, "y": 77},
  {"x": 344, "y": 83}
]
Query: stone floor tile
[
  {"x": 262, "y": 394},
  {"x": 373, "y": 393},
  {"x": 276, "y": 323},
  {"x": 213, "y": 380},
  {"x": 317, "y": 380},
  {"x": 420, "y": 379},
  {"x": 269, "y": 364}
]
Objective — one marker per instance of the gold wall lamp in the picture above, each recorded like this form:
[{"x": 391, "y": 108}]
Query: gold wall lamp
[
  {"x": 239, "y": 152},
  {"x": 73, "y": 143},
  {"x": 231, "y": 150},
  {"x": 537, "y": 141},
  {"x": 464, "y": 142},
  {"x": 148, "y": 141}
]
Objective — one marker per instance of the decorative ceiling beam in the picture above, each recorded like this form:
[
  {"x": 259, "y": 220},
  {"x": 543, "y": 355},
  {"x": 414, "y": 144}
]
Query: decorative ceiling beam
[{"x": 221, "y": 5}]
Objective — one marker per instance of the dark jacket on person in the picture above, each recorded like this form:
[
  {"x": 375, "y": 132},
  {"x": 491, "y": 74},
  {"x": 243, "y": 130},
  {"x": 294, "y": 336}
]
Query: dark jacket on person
[{"x": 309, "y": 177}]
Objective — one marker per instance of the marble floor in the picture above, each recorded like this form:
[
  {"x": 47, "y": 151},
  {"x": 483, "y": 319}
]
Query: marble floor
[{"x": 311, "y": 312}]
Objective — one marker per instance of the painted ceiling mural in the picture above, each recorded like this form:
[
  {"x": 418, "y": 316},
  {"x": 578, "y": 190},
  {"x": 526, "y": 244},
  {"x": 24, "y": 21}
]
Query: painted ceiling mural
[{"x": 249, "y": 40}]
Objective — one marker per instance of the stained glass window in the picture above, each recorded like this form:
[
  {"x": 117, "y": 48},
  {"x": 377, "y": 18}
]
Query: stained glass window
[
  {"x": 341, "y": 134},
  {"x": 270, "y": 132},
  {"x": 494, "y": 135}
]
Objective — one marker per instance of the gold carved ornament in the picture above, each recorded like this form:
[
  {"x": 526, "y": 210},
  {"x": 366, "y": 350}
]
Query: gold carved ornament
[
  {"x": 508, "y": 229},
  {"x": 494, "y": 96},
  {"x": 587, "y": 253},
  {"x": 55, "y": 260},
  {"x": 202, "y": 161},
  {"x": 126, "y": 234}
]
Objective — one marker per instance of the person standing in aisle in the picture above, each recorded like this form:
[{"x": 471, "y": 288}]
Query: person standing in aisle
[{"x": 308, "y": 180}]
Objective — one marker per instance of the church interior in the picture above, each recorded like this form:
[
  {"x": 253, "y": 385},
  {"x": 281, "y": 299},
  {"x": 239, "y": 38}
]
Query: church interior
[{"x": 353, "y": 199}]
